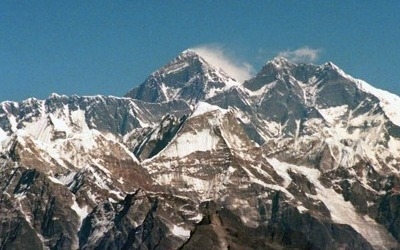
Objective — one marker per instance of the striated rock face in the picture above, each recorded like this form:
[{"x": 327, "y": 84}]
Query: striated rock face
[{"x": 298, "y": 157}]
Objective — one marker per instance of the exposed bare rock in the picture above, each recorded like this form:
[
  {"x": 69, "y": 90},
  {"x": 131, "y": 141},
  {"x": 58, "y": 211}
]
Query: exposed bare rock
[{"x": 298, "y": 157}]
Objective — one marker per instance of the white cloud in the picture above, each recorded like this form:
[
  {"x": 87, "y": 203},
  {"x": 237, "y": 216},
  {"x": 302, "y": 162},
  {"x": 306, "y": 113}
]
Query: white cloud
[
  {"x": 218, "y": 57},
  {"x": 304, "y": 54}
]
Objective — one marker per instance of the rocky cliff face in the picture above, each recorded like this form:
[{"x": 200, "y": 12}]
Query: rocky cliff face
[{"x": 300, "y": 156}]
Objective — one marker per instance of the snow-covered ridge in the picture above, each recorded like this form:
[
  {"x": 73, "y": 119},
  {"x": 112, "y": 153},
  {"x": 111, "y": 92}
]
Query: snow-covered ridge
[
  {"x": 389, "y": 102},
  {"x": 184, "y": 61},
  {"x": 190, "y": 142},
  {"x": 281, "y": 62},
  {"x": 210, "y": 66},
  {"x": 186, "y": 143},
  {"x": 211, "y": 76},
  {"x": 204, "y": 107}
]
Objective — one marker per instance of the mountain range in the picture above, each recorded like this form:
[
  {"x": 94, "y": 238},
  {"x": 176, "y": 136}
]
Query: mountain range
[{"x": 300, "y": 156}]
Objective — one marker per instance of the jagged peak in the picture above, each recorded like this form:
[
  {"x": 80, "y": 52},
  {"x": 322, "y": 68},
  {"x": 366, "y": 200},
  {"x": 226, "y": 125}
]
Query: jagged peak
[
  {"x": 185, "y": 59},
  {"x": 189, "y": 53},
  {"x": 191, "y": 58},
  {"x": 56, "y": 96},
  {"x": 331, "y": 65},
  {"x": 280, "y": 62},
  {"x": 186, "y": 56},
  {"x": 192, "y": 54}
]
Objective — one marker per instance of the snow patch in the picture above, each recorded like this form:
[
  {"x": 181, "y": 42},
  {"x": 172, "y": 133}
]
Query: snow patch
[
  {"x": 78, "y": 118},
  {"x": 180, "y": 232},
  {"x": 281, "y": 170},
  {"x": 175, "y": 67},
  {"x": 40, "y": 130},
  {"x": 333, "y": 114},
  {"x": 81, "y": 212},
  {"x": 55, "y": 180},
  {"x": 203, "y": 107},
  {"x": 67, "y": 179},
  {"x": 190, "y": 142},
  {"x": 196, "y": 218},
  {"x": 164, "y": 89},
  {"x": 3, "y": 135},
  {"x": 13, "y": 122},
  {"x": 253, "y": 179},
  {"x": 302, "y": 209},
  {"x": 59, "y": 124}
]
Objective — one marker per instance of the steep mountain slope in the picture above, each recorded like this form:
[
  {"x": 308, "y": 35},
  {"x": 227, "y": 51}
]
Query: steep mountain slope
[
  {"x": 300, "y": 156},
  {"x": 187, "y": 77},
  {"x": 320, "y": 117},
  {"x": 63, "y": 156}
]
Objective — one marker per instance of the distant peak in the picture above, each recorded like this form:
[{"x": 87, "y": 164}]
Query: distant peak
[
  {"x": 189, "y": 53},
  {"x": 55, "y": 96},
  {"x": 280, "y": 62},
  {"x": 186, "y": 56},
  {"x": 207, "y": 61},
  {"x": 333, "y": 67},
  {"x": 185, "y": 59},
  {"x": 280, "y": 59}
]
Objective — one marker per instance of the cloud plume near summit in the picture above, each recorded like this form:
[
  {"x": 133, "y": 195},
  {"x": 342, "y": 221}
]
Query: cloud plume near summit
[
  {"x": 217, "y": 56},
  {"x": 303, "y": 54}
]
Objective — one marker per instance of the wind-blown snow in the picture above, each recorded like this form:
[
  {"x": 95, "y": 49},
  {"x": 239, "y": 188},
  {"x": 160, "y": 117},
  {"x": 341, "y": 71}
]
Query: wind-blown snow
[{"x": 218, "y": 58}]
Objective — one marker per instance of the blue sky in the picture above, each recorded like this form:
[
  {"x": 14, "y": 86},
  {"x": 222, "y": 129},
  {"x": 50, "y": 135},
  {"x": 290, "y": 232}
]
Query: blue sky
[{"x": 107, "y": 47}]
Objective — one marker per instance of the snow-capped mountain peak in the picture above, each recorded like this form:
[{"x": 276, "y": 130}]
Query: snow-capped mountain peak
[
  {"x": 281, "y": 62},
  {"x": 189, "y": 77},
  {"x": 190, "y": 58},
  {"x": 330, "y": 66},
  {"x": 300, "y": 156},
  {"x": 186, "y": 59}
]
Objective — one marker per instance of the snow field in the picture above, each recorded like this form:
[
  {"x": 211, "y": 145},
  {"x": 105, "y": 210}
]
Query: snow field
[{"x": 342, "y": 212}]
